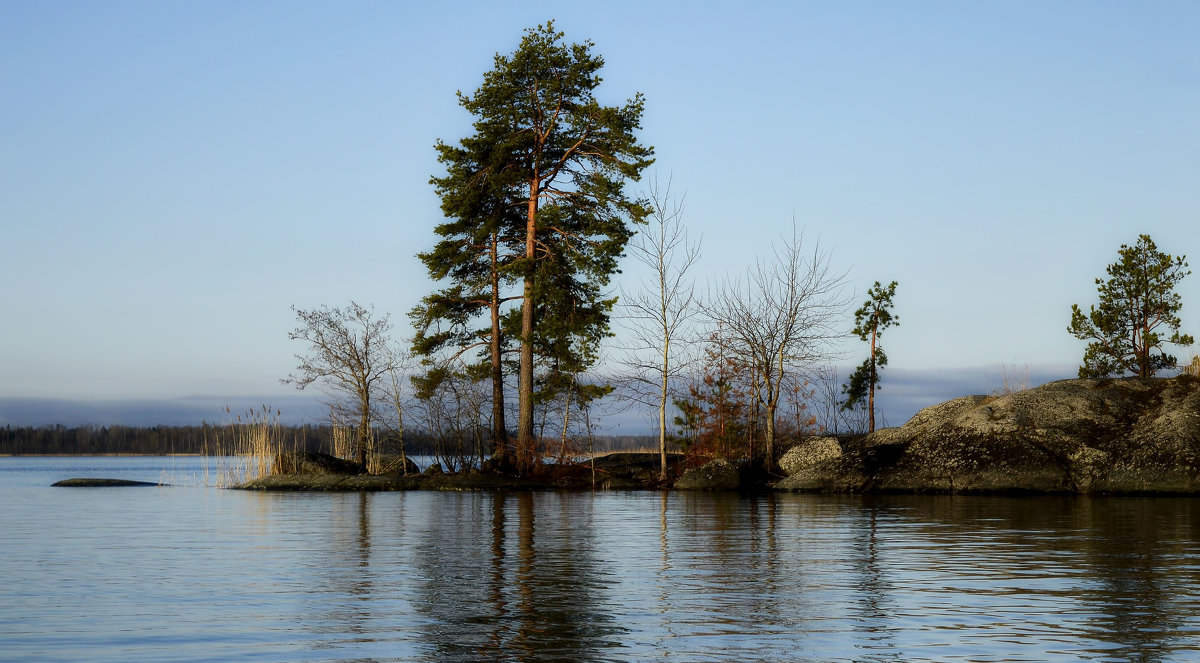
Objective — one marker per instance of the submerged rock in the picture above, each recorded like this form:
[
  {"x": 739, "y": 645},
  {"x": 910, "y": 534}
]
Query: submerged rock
[
  {"x": 1072, "y": 436},
  {"x": 86, "y": 482}
]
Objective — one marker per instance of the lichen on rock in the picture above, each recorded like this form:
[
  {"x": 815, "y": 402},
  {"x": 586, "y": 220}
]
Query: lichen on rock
[
  {"x": 1073, "y": 436},
  {"x": 718, "y": 474},
  {"x": 809, "y": 453}
]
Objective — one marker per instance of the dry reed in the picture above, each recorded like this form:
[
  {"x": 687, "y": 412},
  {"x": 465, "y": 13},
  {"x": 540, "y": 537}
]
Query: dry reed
[
  {"x": 246, "y": 447},
  {"x": 1015, "y": 379},
  {"x": 344, "y": 444}
]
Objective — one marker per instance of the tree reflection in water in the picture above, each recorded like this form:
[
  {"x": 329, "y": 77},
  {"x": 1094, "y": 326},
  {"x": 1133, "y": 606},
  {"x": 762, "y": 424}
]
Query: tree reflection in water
[
  {"x": 518, "y": 583},
  {"x": 685, "y": 576},
  {"x": 1133, "y": 541}
]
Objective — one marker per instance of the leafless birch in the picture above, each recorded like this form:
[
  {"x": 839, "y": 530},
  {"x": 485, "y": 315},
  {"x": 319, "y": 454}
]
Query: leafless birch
[
  {"x": 349, "y": 355},
  {"x": 657, "y": 313},
  {"x": 781, "y": 317}
]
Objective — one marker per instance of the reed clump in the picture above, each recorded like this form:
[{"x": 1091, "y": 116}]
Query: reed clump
[
  {"x": 344, "y": 444},
  {"x": 246, "y": 447}
]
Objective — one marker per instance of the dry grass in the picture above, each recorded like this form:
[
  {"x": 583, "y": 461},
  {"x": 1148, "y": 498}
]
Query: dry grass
[
  {"x": 1194, "y": 367},
  {"x": 341, "y": 440},
  {"x": 1015, "y": 379},
  {"x": 246, "y": 447},
  {"x": 344, "y": 444}
]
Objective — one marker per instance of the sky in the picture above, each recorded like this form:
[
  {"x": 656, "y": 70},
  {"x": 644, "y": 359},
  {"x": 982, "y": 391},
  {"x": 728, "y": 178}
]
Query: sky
[{"x": 175, "y": 177}]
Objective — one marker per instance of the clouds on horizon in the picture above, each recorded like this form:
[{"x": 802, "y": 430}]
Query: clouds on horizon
[
  {"x": 903, "y": 393},
  {"x": 185, "y": 411}
]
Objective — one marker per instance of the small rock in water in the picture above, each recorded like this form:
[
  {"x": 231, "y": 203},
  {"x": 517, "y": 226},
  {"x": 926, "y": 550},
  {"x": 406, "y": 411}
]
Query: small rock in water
[{"x": 86, "y": 482}]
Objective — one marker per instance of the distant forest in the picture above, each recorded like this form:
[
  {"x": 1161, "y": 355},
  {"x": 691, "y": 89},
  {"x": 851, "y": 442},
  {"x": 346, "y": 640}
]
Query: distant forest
[{"x": 204, "y": 440}]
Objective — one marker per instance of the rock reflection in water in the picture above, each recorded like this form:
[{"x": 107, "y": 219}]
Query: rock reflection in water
[{"x": 1111, "y": 578}]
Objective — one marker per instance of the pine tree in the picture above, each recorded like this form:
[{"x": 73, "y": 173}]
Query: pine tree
[
  {"x": 1137, "y": 299},
  {"x": 476, "y": 256},
  {"x": 544, "y": 173},
  {"x": 870, "y": 320}
]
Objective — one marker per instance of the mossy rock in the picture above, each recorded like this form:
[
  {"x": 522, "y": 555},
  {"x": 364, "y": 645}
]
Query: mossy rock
[
  {"x": 718, "y": 474},
  {"x": 1105, "y": 436},
  {"x": 313, "y": 462}
]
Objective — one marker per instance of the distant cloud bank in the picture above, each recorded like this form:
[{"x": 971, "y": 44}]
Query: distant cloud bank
[
  {"x": 904, "y": 392},
  {"x": 185, "y": 411}
]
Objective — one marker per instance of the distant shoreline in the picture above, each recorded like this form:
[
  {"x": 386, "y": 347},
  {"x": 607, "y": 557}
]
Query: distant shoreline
[{"x": 109, "y": 455}]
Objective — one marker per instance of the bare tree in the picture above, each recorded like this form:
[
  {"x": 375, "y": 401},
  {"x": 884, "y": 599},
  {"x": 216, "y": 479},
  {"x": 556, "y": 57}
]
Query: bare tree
[
  {"x": 450, "y": 406},
  {"x": 349, "y": 356},
  {"x": 658, "y": 313},
  {"x": 393, "y": 420},
  {"x": 832, "y": 415},
  {"x": 781, "y": 317},
  {"x": 828, "y": 398}
]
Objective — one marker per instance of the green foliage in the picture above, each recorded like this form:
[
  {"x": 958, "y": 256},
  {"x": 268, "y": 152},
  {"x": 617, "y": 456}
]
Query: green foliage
[
  {"x": 687, "y": 421},
  {"x": 535, "y": 196},
  {"x": 1136, "y": 300},
  {"x": 863, "y": 380},
  {"x": 874, "y": 316}
]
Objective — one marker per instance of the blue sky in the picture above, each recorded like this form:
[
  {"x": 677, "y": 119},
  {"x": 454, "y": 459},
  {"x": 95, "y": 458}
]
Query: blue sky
[{"x": 175, "y": 176}]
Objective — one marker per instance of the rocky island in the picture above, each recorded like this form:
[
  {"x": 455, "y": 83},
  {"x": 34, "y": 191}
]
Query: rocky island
[
  {"x": 1093, "y": 436},
  {"x": 1100, "y": 436}
]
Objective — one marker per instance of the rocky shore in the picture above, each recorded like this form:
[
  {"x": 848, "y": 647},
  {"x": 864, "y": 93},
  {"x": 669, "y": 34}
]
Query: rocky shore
[
  {"x": 313, "y": 471},
  {"x": 1116, "y": 436},
  {"x": 1112, "y": 436}
]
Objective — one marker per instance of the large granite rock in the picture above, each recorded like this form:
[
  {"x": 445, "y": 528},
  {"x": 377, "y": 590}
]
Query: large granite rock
[
  {"x": 1072, "y": 436},
  {"x": 719, "y": 474},
  {"x": 808, "y": 454},
  {"x": 312, "y": 462},
  {"x": 818, "y": 464},
  {"x": 394, "y": 464}
]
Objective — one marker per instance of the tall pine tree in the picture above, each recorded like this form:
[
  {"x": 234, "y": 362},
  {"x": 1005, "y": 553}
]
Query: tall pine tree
[{"x": 542, "y": 179}]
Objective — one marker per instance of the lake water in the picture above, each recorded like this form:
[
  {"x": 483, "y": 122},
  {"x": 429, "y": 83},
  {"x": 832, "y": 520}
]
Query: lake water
[{"x": 189, "y": 573}]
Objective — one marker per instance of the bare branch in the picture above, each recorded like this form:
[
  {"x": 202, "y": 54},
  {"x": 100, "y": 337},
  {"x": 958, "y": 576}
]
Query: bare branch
[
  {"x": 781, "y": 317},
  {"x": 349, "y": 353}
]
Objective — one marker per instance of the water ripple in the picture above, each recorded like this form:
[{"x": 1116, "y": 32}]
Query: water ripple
[{"x": 189, "y": 574}]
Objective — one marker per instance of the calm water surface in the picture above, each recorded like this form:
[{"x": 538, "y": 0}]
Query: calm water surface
[{"x": 190, "y": 572}]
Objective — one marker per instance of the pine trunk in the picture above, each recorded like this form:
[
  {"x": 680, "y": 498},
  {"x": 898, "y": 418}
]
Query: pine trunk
[
  {"x": 499, "y": 426},
  {"x": 525, "y": 440},
  {"x": 871, "y": 385}
]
